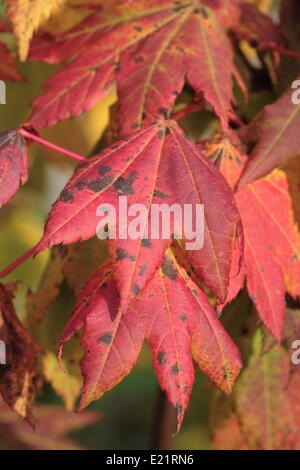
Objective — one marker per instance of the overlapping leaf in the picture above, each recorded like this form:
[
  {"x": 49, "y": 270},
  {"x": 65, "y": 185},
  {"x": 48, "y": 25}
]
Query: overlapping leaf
[
  {"x": 8, "y": 67},
  {"x": 272, "y": 241},
  {"x": 13, "y": 164},
  {"x": 175, "y": 316},
  {"x": 154, "y": 166},
  {"x": 256, "y": 26},
  {"x": 149, "y": 50},
  {"x": 49, "y": 308},
  {"x": 18, "y": 376},
  {"x": 267, "y": 401},
  {"x": 26, "y": 17},
  {"x": 272, "y": 247},
  {"x": 275, "y": 132}
]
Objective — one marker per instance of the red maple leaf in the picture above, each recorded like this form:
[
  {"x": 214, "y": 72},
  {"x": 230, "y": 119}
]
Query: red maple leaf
[
  {"x": 149, "y": 51},
  {"x": 155, "y": 165},
  {"x": 176, "y": 318},
  {"x": 272, "y": 243}
]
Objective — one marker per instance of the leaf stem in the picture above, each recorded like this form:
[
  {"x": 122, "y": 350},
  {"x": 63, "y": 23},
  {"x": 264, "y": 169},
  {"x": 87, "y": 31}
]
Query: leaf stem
[
  {"x": 45, "y": 143},
  {"x": 270, "y": 46},
  {"x": 15, "y": 264},
  {"x": 189, "y": 109}
]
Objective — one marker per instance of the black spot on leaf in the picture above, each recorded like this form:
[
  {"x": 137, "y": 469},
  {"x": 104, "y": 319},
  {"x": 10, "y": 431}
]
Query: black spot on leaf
[
  {"x": 121, "y": 254},
  {"x": 97, "y": 185},
  {"x": 138, "y": 59},
  {"x": 161, "y": 357},
  {"x": 66, "y": 196},
  {"x": 168, "y": 269},
  {"x": 146, "y": 243},
  {"x": 203, "y": 13},
  {"x": 163, "y": 112},
  {"x": 123, "y": 186},
  {"x": 80, "y": 185},
  {"x": 143, "y": 270},
  {"x": 179, "y": 409},
  {"x": 104, "y": 169},
  {"x": 105, "y": 338},
  {"x": 160, "y": 194},
  {"x": 136, "y": 289}
]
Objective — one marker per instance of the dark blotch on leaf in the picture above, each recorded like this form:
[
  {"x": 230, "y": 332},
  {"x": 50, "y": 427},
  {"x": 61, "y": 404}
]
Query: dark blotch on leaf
[
  {"x": 160, "y": 133},
  {"x": 203, "y": 13},
  {"x": 80, "y": 185},
  {"x": 163, "y": 112},
  {"x": 143, "y": 270},
  {"x": 66, "y": 196},
  {"x": 138, "y": 59},
  {"x": 160, "y": 194},
  {"x": 104, "y": 169},
  {"x": 146, "y": 243},
  {"x": 106, "y": 338},
  {"x": 83, "y": 164},
  {"x": 97, "y": 185},
  {"x": 124, "y": 185},
  {"x": 174, "y": 369},
  {"x": 136, "y": 289},
  {"x": 168, "y": 269},
  {"x": 161, "y": 357},
  {"x": 121, "y": 254}
]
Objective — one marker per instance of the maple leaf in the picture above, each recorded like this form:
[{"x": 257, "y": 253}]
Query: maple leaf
[
  {"x": 267, "y": 401},
  {"x": 272, "y": 242},
  {"x": 275, "y": 132},
  {"x": 73, "y": 264},
  {"x": 149, "y": 51},
  {"x": 19, "y": 376},
  {"x": 176, "y": 318},
  {"x": 155, "y": 165},
  {"x": 256, "y": 26},
  {"x": 227, "y": 154},
  {"x": 26, "y": 16},
  {"x": 272, "y": 247},
  {"x": 13, "y": 164},
  {"x": 8, "y": 67}
]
